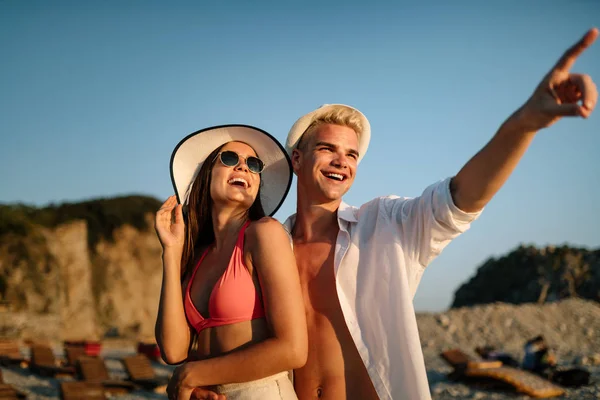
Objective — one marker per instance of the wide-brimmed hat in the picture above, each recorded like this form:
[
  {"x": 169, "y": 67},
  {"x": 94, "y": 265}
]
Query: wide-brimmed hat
[
  {"x": 304, "y": 122},
  {"x": 191, "y": 152}
]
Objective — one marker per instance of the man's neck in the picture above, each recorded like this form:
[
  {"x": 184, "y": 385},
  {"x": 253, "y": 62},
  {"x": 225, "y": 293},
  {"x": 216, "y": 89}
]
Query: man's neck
[{"x": 315, "y": 222}]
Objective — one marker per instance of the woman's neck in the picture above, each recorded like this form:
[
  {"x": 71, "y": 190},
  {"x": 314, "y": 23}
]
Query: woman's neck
[{"x": 227, "y": 224}]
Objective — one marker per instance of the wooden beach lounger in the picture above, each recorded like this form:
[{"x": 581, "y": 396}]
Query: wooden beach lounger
[
  {"x": 90, "y": 347},
  {"x": 8, "y": 392},
  {"x": 140, "y": 372},
  {"x": 44, "y": 363},
  {"x": 73, "y": 354},
  {"x": 93, "y": 370},
  {"x": 77, "y": 390},
  {"x": 10, "y": 354},
  {"x": 525, "y": 382},
  {"x": 150, "y": 350}
]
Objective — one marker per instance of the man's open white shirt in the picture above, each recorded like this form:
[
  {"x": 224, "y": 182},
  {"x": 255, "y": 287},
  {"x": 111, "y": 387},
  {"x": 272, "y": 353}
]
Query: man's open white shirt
[{"x": 381, "y": 252}]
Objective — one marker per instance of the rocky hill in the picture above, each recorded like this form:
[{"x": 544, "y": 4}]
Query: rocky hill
[
  {"x": 79, "y": 270},
  {"x": 531, "y": 275}
]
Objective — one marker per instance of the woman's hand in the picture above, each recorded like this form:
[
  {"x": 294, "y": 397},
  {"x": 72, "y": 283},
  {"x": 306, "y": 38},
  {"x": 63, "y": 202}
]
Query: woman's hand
[
  {"x": 205, "y": 394},
  {"x": 169, "y": 225}
]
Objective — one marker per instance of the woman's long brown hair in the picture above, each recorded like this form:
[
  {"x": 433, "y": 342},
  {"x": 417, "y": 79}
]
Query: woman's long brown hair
[{"x": 199, "y": 230}]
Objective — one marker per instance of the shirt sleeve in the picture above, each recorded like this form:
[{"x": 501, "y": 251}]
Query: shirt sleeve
[{"x": 426, "y": 224}]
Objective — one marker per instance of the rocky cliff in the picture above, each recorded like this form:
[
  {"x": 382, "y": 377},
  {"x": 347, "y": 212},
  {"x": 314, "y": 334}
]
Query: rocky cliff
[
  {"x": 80, "y": 270},
  {"x": 528, "y": 275}
]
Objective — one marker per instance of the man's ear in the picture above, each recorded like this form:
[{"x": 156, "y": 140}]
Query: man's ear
[{"x": 296, "y": 160}]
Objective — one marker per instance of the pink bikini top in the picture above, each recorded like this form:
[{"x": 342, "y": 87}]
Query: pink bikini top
[{"x": 233, "y": 298}]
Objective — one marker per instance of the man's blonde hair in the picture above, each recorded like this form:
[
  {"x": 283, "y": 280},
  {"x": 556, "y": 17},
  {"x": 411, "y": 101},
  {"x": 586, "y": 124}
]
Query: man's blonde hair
[{"x": 337, "y": 116}]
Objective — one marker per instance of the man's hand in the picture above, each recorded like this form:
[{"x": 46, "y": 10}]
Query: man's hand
[
  {"x": 561, "y": 93},
  {"x": 180, "y": 388}
]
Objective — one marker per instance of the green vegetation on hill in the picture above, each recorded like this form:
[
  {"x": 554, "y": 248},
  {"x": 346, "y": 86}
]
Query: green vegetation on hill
[
  {"x": 531, "y": 275},
  {"x": 103, "y": 216}
]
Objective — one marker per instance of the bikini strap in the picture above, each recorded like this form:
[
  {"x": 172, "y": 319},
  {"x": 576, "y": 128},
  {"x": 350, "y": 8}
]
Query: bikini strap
[{"x": 239, "y": 244}]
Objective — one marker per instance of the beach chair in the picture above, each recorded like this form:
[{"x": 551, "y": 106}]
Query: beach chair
[
  {"x": 140, "y": 371},
  {"x": 91, "y": 347},
  {"x": 491, "y": 353},
  {"x": 9, "y": 392},
  {"x": 44, "y": 363},
  {"x": 10, "y": 354},
  {"x": 93, "y": 370},
  {"x": 468, "y": 369},
  {"x": 77, "y": 390},
  {"x": 150, "y": 350},
  {"x": 73, "y": 354},
  {"x": 460, "y": 361}
]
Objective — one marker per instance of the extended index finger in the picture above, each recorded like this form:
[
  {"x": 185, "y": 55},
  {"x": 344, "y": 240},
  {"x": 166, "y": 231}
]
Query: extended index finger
[{"x": 568, "y": 58}]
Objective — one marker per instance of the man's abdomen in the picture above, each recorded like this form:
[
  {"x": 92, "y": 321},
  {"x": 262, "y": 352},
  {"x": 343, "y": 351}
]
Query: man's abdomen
[{"x": 334, "y": 369}]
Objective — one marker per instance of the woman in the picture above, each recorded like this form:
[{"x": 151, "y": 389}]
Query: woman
[{"x": 232, "y": 266}]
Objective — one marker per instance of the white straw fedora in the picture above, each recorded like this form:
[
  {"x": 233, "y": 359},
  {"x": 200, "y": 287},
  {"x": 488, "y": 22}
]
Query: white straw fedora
[
  {"x": 191, "y": 152},
  {"x": 304, "y": 122}
]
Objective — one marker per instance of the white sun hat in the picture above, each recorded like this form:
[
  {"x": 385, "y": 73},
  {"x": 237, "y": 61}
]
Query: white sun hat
[
  {"x": 304, "y": 122},
  {"x": 191, "y": 152}
]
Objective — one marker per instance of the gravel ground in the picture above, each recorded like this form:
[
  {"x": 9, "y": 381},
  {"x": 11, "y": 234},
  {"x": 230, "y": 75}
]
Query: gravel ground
[{"x": 571, "y": 328}]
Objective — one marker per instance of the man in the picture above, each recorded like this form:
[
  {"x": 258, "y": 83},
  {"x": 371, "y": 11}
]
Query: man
[{"x": 360, "y": 266}]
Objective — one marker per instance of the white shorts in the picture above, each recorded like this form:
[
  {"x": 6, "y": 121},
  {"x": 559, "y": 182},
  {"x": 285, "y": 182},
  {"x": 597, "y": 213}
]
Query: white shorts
[{"x": 274, "y": 387}]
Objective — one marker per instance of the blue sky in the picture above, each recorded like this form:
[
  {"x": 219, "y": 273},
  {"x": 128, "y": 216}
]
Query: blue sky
[{"x": 95, "y": 95}]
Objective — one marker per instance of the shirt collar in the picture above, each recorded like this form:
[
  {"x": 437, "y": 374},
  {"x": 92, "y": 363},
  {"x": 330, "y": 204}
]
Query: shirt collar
[{"x": 345, "y": 213}]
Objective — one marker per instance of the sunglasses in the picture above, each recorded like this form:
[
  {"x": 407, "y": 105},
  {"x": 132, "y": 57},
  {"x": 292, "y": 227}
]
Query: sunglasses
[{"x": 232, "y": 159}]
